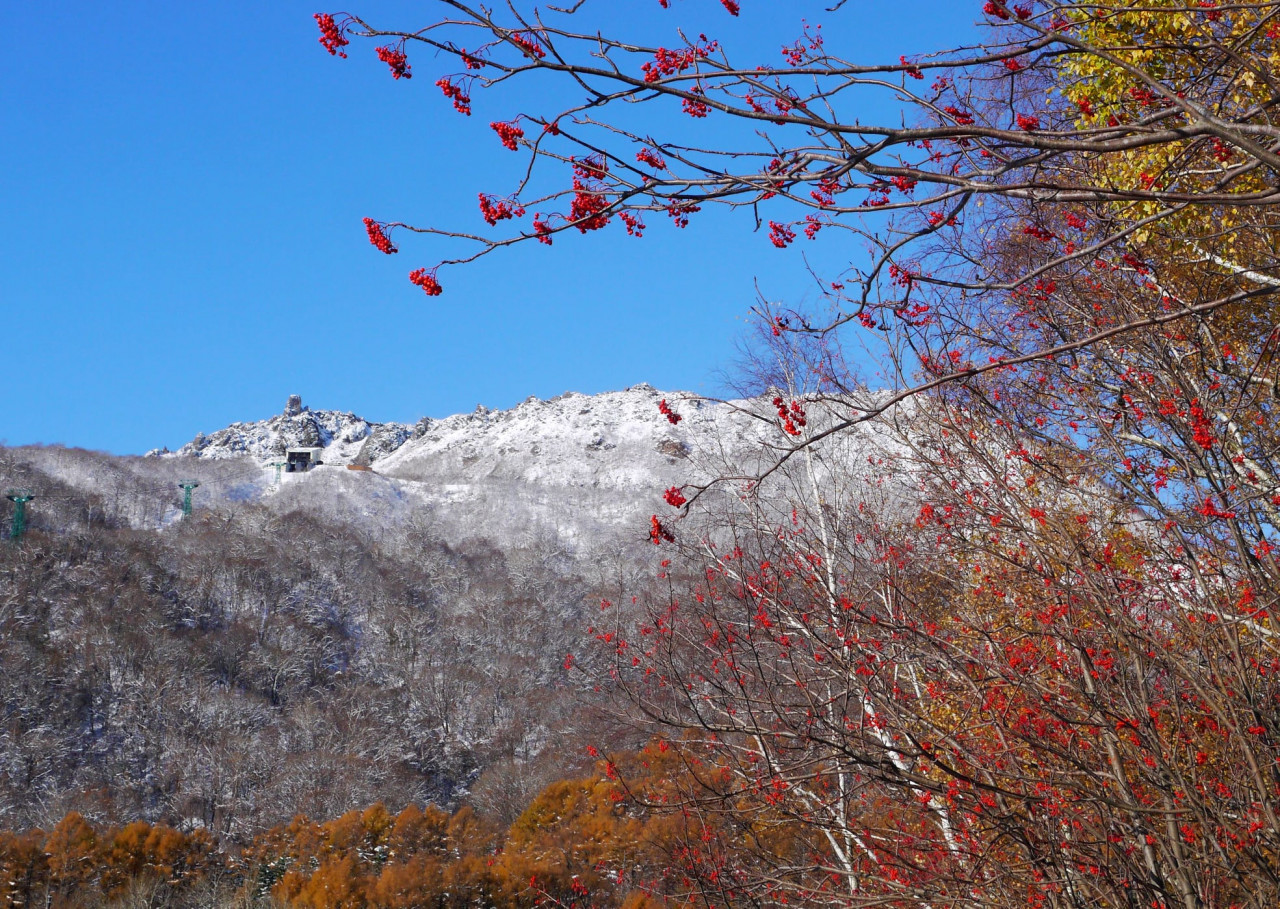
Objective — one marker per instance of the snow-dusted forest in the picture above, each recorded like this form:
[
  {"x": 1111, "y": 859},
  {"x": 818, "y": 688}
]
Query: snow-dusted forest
[{"x": 332, "y": 638}]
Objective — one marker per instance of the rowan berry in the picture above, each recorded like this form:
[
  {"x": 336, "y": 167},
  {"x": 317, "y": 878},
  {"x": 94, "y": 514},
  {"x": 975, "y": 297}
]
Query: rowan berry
[
  {"x": 427, "y": 281},
  {"x": 395, "y": 58},
  {"x": 378, "y": 237},
  {"x": 331, "y": 36},
  {"x": 509, "y": 133}
]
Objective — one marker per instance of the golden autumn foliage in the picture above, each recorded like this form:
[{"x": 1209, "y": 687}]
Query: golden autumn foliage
[
  {"x": 581, "y": 842},
  {"x": 1171, "y": 65},
  {"x": 77, "y": 864}
]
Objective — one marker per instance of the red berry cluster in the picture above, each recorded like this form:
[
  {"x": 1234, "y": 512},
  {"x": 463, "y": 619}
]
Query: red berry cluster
[
  {"x": 915, "y": 314},
  {"x": 961, "y": 118},
  {"x": 1027, "y": 122},
  {"x": 904, "y": 184},
  {"x": 680, "y": 212},
  {"x": 588, "y": 210},
  {"x": 1135, "y": 263},
  {"x": 784, "y": 103},
  {"x": 911, "y": 69},
  {"x": 461, "y": 100},
  {"x": 665, "y": 409},
  {"x": 1042, "y": 234},
  {"x": 1201, "y": 427},
  {"x": 652, "y": 158},
  {"x": 775, "y": 166},
  {"x": 471, "y": 60},
  {"x": 780, "y": 235},
  {"x": 695, "y": 107},
  {"x": 331, "y": 36},
  {"x": 675, "y": 498},
  {"x": 378, "y": 237},
  {"x": 528, "y": 43},
  {"x": 542, "y": 229},
  {"x": 395, "y": 58},
  {"x": 793, "y": 418},
  {"x": 593, "y": 168},
  {"x": 812, "y": 224},
  {"x": 731, "y": 6},
  {"x": 635, "y": 227},
  {"x": 669, "y": 62},
  {"x": 1014, "y": 65},
  {"x": 427, "y": 281},
  {"x": 658, "y": 532},
  {"x": 997, "y": 8},
  {"x": 810, "y": 40},
  {"x": 1210, "y": 510},
  {"x": 509, "y": 133},
  {"x": 499, "y": 210}
]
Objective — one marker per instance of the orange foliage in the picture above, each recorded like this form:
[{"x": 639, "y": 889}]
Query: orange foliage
[
  {"x": 22, "y": 865},
  {"x": 76, "y": 864},
  {"x": 71, "y": 851},
  {"x": 577, "y": 844}
]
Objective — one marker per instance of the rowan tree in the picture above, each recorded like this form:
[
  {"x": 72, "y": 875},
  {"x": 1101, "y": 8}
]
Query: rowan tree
[{"x": 1027, "y": 658}]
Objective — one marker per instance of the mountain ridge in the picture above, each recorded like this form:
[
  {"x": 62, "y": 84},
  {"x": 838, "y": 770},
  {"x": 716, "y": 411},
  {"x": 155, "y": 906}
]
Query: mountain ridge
[{"x": 586, "y": 469}]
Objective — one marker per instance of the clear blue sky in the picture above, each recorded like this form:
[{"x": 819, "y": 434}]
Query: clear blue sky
[{"x": 181, "y": 194}]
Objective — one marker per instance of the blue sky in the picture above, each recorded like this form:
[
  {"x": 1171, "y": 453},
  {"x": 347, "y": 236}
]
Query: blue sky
[{"x": 181, "y": 242}]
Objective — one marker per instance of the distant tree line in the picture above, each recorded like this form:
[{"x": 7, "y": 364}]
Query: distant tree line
[{"x": 579, "y": 842}]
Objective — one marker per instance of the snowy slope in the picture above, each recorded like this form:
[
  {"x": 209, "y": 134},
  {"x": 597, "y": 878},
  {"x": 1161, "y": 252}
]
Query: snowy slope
[
  {"x": 592, "y": 468},
  {"x": 616, "y": 440},
  {"x": 584, "y": 468}
]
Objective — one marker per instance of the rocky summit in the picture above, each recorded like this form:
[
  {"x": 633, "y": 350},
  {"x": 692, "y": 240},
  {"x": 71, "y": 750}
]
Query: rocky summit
[{"x": 345, "y": 437}]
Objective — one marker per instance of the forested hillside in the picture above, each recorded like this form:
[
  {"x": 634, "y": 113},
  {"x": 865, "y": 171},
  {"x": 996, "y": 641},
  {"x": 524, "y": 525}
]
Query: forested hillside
[
  {"x": 344, "y": 637},
  {"x": 244, "y": 665}
]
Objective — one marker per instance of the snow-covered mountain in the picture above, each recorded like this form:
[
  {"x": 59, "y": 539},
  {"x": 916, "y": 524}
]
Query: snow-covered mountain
[{"x": 584, "y": 470}]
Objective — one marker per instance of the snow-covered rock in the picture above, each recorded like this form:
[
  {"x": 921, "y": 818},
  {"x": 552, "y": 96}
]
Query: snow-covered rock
[{"x": 345, "y": 437}]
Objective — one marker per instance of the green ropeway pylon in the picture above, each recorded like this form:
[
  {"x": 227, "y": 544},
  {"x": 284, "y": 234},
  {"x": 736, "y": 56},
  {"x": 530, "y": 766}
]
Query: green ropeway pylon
[
  {"x": 19, "y": 498},
  {"x": 277, "y": 465},
  {"x": 187, "y": 486}
]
